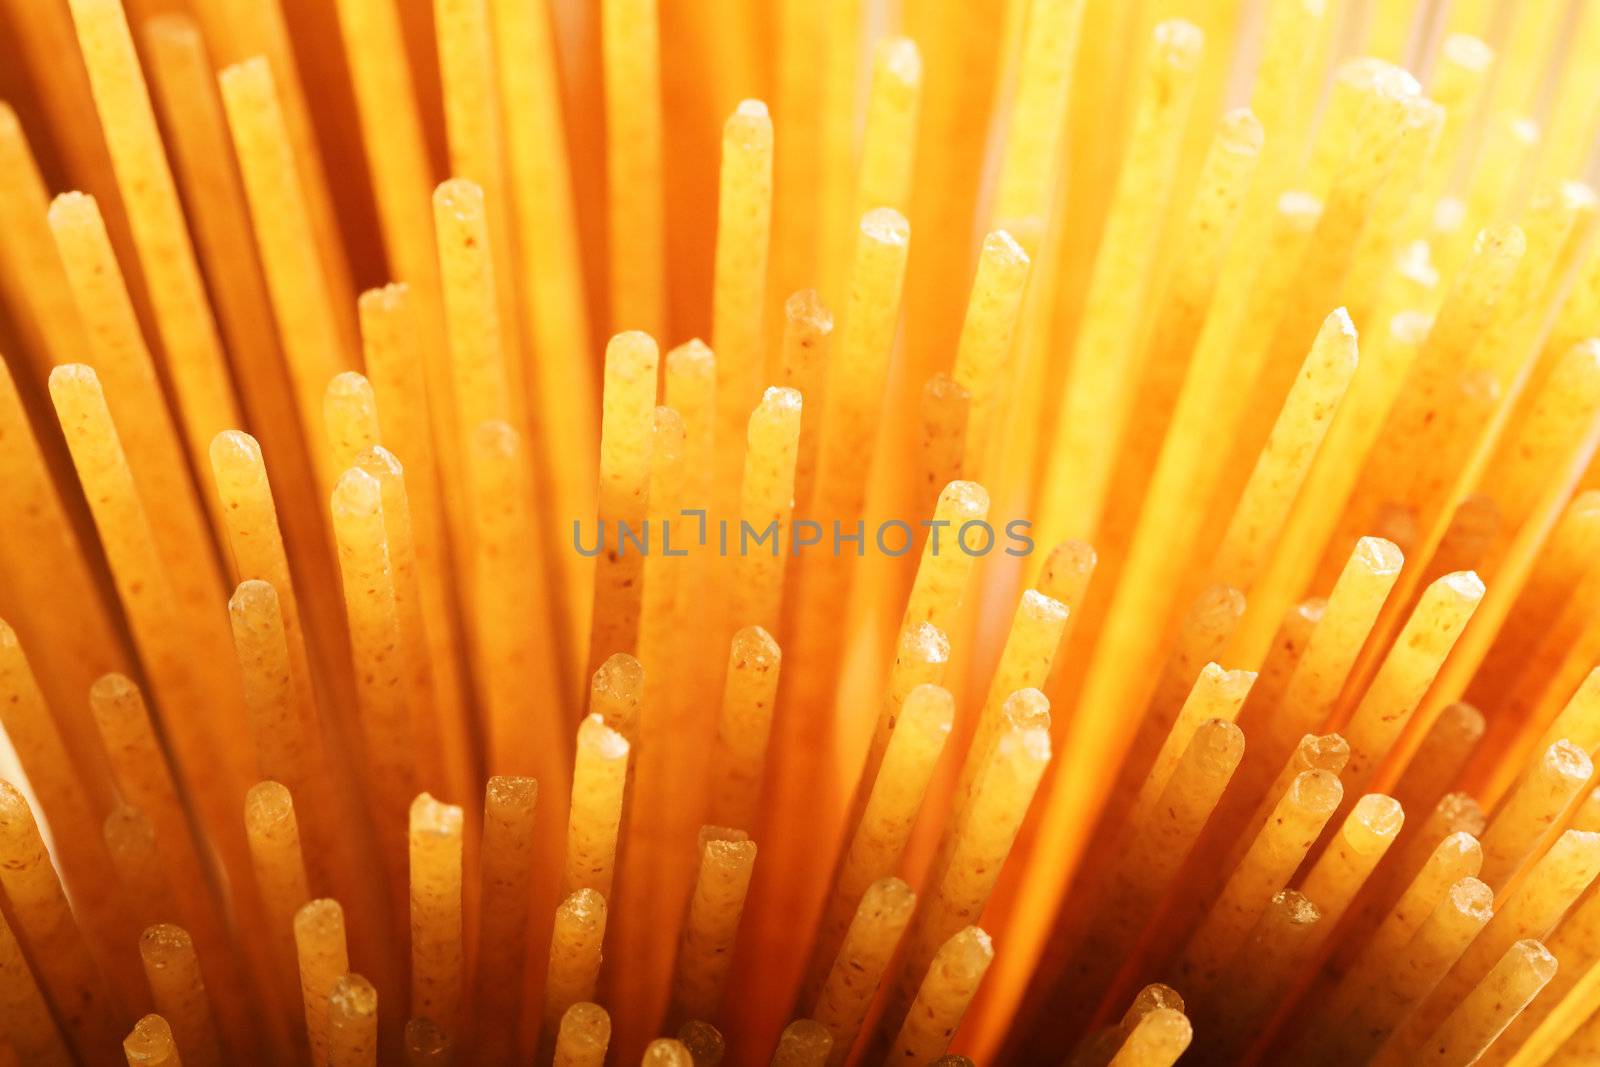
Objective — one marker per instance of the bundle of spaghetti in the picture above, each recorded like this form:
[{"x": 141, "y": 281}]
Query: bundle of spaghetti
[{"x": 622, "y": 531}]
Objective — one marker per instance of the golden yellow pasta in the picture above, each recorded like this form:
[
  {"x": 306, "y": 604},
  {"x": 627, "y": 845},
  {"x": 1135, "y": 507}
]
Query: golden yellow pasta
[
  {"x": 580, "y": 928},
  {"x": 1519, "y": 976},
  {"x": 29, "y": 1027},
  {"x": 1205, "y": 629},
  {"x": 704, "y": 1042},
  {"x": 145, "y": 780},
  {"x": 855, "y": 973},
  {"x": 1217, "y": 694},
  {"x": 149, "y": 587},
  {"x": 744, "y": 219},
  {"x": 981, "y": 840},
  {"x": 480, "y": 377},
  {"x": 353, "y": 1023},
  {"x": 766, "y": 496},
  {"x": 1417, "y": 654},
  {"x": 879, "y": 838},
  {"x": 1529, "y": 911},
  {"x": 631, "y": 48},
  {"x": 70, "y": 976},
  {"x": 506, "y": 879},
  {"x": 40, "y": 749},
  {"x": 803, "y": 1043},
  {"x": 280, "y": 868},
  {"x": 143, "y": 180},
  {"x": 711, "y": 924},
  {"x": 1096, "y": 401},
  {"x": 803, "y": 360},
  {"x": 476, "y": 144},
  {"x": 860, "y": 364},
  {"x": 599, "y": 775},
  {"x": 1560, "y": 1009},
  {"x": 374, "y": 623},
  {"x": 151, "y": 1044},
  {"x": 108, "y": 315},
  {"x": 1432, "y": 950},
  {"x": 629, "y": 398},
  {"x": 744, "y": 725},
  {"x": 1327, "y": 752},
  {"x": 942, "y": 998},
  {"x": 286, "y": 746},
  {"x": 1279, "y": 943},
  {"x": 585, "y": 1035},
  {"x": 400, "y": 369},
  {"x": 179, "y": 991},
  {"x": 47, "y": 296},
  {"x": 1552, "y": 783},
  {"x": 303, "y": 298},
  {"x": 1157, "y": 1040},
  {"x": 438, "y": 948},
  {"x": 550, "y": 270},
  {"x": 1286, "y": 458},
  {"x": 1123, "y": 478},
  {"x": 1272, "y": 857},
  {"x": 319, "y": 935},
  {"x": 515, "y": 670},
  {"x": 1160, "y": 840},
  {"x": 1457, "y": 857},
  {"x": 1025, "y": 662},
  {"x": 983, "y": 356},
  {"x": 665, "y": 1052},
  {"x": 1103, "y": 1044}
]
